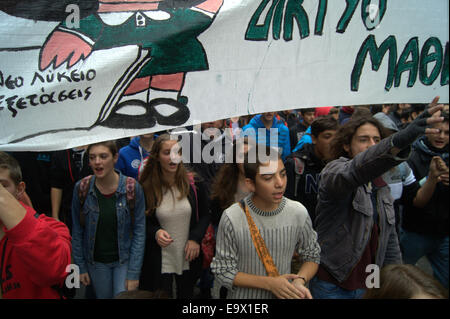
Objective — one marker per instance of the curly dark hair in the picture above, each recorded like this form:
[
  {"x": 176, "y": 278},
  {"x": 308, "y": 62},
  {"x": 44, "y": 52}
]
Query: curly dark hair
[
  {"x": 345, "y": 134},
  {"x": 226, "y": 180}
]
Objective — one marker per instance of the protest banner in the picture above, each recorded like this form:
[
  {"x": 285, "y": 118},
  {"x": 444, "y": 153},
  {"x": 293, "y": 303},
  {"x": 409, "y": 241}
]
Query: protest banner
[{"x": 82, "y": 71}]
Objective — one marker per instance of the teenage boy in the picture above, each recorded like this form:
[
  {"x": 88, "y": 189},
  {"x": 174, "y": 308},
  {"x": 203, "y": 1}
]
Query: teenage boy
[
  {"x": 355, "y": 218},
  {"x": 304, "y": 166},
  {"x": 274, "y": 129},
  {"x": 426, "y": 223},
  {"x": 132, "y": 155},
  {"x": 284, "y": 226},
  {"x": 297, "y": 131},
  {"x": 34, "y": 251}
]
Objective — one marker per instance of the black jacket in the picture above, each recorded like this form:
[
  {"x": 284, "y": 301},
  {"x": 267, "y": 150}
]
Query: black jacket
[
  {"x": 433, "y": 218},
  {"x": 307, "y": 179},
  {"x": 295, "y": 133},
  {"x": 151, "y": 268},
  {"x": 36, "y": 171},
  {"x": 64, "y": 175}
]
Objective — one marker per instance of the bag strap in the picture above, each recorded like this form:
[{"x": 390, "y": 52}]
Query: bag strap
[
  {"x": 192, "y": 182},
  {"x": 130, "y": 187},
  {"x": 131, "y": 196},
  {"x": 259, "y": 243},
  {"x": 83, "y": 189}
]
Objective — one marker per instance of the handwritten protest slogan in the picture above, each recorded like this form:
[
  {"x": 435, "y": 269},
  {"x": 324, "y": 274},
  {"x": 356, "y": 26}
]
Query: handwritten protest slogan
[
  {"x": 73, "y": 74},
  {"x": 431, "y": 54}
]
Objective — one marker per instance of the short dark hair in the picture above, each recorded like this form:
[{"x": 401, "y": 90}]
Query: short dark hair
[
  {"x": 444, "y": 114},
  {"x": 345, "y": 134},
  {"x": 253, "y": 160},
  {"x": 12, "y": 165},
  {"x": 418, "y": 107},
  {"x": 333, "y": 110},
  {"x": 111, "y": 145},
  {"x": 361, "y": 111},
  {"x": 307, "y": 110},
  {"x": 323, "y": 123}
]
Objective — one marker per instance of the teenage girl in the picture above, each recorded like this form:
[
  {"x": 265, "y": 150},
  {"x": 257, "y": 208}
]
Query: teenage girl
[
  {"x": 108, "y": 227},
  {"x": 178, "y": 215}
]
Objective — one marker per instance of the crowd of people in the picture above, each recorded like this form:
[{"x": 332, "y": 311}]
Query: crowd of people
[{"x": 291, "y": 204}]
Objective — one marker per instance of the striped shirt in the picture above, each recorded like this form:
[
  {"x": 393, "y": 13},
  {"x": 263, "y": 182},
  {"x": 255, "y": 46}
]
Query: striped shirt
[{"x": 285, "y": 229}]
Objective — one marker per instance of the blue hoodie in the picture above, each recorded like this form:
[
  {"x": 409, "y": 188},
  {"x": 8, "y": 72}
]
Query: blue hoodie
[
  {"x": 130, "y": 157},
  {"x": 251, "y": 129},
  {"x": 306, "y": 139}
]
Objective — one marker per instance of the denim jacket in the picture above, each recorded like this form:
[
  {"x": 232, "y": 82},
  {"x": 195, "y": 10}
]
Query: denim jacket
[
  {"x": 131, "y": 243},
  {"x": 344, "y": 212}
]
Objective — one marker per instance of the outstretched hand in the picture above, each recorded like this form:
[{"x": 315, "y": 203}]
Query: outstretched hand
[{"x": 419, "y": 126}]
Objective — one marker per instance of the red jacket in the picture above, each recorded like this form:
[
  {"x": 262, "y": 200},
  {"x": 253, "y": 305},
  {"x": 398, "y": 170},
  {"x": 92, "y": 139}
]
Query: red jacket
[{"x": 37, "y": 253}]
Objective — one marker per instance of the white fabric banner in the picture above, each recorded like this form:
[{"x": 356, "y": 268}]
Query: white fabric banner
[{"x": 116, "y": 69}]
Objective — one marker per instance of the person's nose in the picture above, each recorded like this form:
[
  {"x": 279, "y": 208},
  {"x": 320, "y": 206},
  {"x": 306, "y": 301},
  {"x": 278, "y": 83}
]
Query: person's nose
[
  {"x": 278, "y": 181},
  {"x": 372, "y": 142}
]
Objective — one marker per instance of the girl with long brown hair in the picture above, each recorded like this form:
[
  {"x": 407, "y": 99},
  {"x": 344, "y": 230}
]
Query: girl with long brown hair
[
  {"x": 229, "y": 183},
  {"x": 177, "y": 218}
]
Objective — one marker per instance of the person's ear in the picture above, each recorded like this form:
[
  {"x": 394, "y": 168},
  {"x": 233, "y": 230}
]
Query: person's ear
[
  {"x": 20, "y": 189},
  {"x": 313, "y": 139},
  {"x": 250, "y": 185},
  {"x": 116, "y": 158}
]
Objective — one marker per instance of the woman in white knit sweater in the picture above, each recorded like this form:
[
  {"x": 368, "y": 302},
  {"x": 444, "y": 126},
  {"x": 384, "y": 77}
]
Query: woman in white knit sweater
[{"x": 177, "y": 218}]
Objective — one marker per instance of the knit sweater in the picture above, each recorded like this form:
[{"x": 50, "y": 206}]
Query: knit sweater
[{"x": 285, "y": 229}]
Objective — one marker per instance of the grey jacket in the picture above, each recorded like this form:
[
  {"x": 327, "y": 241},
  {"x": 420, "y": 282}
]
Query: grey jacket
[{"x": 344, "y": 213}]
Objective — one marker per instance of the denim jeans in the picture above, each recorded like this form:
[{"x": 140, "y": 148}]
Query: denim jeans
[
  {"x": 414, "y": 246},
  {"x": 321, "y": 289},
  {"x": 108, "y": 279}
]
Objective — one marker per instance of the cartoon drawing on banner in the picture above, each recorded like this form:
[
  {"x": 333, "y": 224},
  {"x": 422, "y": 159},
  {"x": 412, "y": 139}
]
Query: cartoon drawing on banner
[{"x": 165, "y": 33}]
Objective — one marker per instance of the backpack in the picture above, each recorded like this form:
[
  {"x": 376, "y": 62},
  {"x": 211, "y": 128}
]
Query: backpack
[{"x": 83, "y": 189}]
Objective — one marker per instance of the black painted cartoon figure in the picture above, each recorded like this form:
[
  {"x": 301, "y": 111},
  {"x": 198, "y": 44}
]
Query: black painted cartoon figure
[{"x": 165, "y": 31}]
